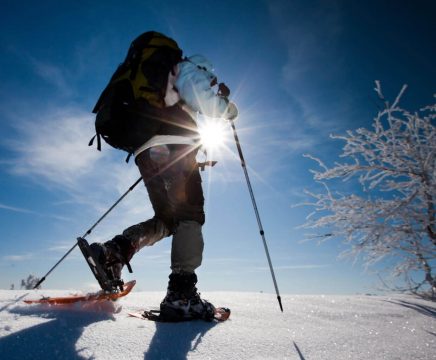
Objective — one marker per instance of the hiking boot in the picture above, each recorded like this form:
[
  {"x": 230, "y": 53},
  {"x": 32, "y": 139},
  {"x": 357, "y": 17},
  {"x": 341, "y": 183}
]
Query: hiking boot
[
  {"x": 111, "y": 264},
  {"x": 183, "y": 302},
  {"x": 111, "y": 257},
  {"x": 175, "y": 307}
]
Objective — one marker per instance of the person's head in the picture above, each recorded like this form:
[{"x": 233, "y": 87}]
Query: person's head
[
  {"x": 205, "y": 65},
  {"x": 201, "y": 62}
]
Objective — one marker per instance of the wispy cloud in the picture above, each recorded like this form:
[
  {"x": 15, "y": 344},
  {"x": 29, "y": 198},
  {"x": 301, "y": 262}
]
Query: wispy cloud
[
  {"x": 65, "y": 75},
  {"x": 15, "y": 209},
  {"x": 32, "y": 212},
  {"x": 295, "y": 267},
  {"x": 52, "y": 74},
  {"x": 309, "y": 33},
  {"x": 22, "y": 257},
  {"x": 52, "y": 150},
  {"x": 310, "y": 75},
  {"x": 53, "y": 146},
  {"x": 61, "y": 248}
]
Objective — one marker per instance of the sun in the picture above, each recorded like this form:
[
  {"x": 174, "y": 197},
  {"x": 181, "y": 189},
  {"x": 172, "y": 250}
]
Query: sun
[{"x": 212, "y": 134}]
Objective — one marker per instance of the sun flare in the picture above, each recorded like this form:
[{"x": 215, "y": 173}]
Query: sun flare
[{"x": 212, "y": 134}]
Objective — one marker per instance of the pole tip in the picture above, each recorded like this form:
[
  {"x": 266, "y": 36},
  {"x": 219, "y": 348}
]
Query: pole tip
[
  {"x": 39, "y": 283},
  {"x": 280, "y": 302}
]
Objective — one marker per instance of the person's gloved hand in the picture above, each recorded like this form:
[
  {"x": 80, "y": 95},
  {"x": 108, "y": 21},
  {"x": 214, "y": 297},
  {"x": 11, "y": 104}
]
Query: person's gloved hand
[{"x": 231, "y": 112}]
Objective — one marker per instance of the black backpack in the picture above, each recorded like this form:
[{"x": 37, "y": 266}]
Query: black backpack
[{"x": 129, "y": 108}]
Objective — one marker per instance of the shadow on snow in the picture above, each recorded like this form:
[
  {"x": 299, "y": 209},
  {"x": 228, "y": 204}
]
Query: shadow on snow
[
  {"x": 300, "y": 354},
  {"x": 174, "y": 341},
  {"x": 13, "y": 302},
  {"x": 54, "y": 339},
  {"x": 422, "y": 309}
]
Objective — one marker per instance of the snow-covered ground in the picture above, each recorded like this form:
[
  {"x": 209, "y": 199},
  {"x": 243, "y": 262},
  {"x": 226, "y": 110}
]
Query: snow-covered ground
[{"x": 311, "y": 327}]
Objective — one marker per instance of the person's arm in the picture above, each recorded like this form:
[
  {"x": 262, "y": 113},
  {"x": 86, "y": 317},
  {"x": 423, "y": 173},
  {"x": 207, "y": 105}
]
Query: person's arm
[{"x": 194, "y": 87}]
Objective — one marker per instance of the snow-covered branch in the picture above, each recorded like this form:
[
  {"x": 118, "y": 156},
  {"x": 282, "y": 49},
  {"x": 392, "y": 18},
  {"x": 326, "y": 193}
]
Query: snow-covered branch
[{"x": 393, "y": 213}]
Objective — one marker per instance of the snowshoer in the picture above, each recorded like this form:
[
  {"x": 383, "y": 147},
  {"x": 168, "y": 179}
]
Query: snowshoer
[{"x": 158, "y": 119}]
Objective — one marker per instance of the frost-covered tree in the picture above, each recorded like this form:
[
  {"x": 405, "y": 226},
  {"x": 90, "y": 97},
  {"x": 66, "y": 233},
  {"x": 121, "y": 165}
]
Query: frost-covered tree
[{"x": 390, "y": 216}]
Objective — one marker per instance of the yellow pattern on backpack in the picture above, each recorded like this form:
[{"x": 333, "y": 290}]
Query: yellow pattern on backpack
[
  {"x": 141, "y": 77},
  {"x": 140, "y": 84}
]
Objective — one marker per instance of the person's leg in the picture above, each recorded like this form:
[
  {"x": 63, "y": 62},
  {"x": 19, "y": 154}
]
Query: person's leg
[
  {"x": 174, "y": 186},
  {"x": 146, "y": 233},
  {"x": 185, "y": 201},
  {"x": 117, "y": 252},
  {"x": 187, "y": 247}
]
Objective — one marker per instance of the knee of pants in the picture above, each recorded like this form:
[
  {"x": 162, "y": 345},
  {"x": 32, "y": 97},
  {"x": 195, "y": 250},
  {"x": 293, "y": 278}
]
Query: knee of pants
[
  {"x": 187, "y": 247},
  {"x": 169, "y": 221},
  {"x": 146, "y": 233},
  {"x": 172, "y": 219}
]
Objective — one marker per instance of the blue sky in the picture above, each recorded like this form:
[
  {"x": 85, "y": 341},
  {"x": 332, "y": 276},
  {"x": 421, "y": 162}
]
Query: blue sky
[{"x": 298, "y": 70}]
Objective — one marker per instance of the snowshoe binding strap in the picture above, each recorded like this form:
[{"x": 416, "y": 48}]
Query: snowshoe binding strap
[
  {"x": 107, "y": 284},
  {"x": 220, "y": 314}
]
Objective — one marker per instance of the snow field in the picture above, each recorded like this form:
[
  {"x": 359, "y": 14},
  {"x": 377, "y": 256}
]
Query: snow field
[{"x": 311, "y": 328}]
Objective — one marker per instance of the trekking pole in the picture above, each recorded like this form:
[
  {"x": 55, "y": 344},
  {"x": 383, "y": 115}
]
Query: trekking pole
[
  {"x": 253, "y": 200},
  {"x": 88, "y": 232}
]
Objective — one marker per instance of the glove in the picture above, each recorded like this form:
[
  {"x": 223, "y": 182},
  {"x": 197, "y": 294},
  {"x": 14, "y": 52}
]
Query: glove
[
  {"x": 223, "y": 90},
  {"x": 231, "y": 111}
]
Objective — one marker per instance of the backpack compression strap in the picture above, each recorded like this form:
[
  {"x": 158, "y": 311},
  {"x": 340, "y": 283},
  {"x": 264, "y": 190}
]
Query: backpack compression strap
[{"x": 91, "y": 142}]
